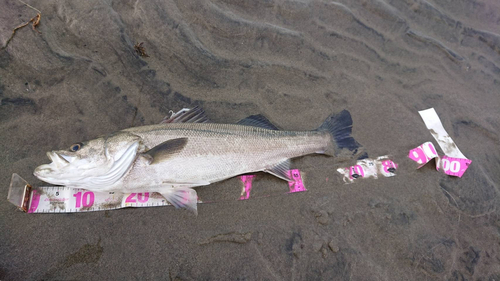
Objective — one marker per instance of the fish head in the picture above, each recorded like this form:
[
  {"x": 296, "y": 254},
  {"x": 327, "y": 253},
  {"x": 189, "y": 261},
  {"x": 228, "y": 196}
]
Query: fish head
[{"x": 92, "y": 164}]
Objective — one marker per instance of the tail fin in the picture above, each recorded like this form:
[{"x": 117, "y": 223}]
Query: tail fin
[{"x": 340, "y": 128}]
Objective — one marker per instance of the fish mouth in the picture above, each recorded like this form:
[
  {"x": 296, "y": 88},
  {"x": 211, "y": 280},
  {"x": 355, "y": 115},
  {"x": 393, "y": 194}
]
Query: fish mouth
[
  {"x": 57, "y": 158},
  {"x": 57, "y": 161},
  {"x": 60, "y": 158},
  {"x": 52, "y": 172},
  {"x": 65, "y": 157},
  {"x": 38, "y": 170}
]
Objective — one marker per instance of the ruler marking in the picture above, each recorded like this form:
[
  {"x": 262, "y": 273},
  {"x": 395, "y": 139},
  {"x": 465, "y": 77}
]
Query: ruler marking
[{"x": 48, "y": 202}]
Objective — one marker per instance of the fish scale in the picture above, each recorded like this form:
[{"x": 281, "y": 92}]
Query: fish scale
[{"x": 219, "y": 151}]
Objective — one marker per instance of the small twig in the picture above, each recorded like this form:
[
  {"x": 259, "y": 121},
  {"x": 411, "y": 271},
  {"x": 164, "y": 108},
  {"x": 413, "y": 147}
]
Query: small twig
[
  {"x": 140, "y": 50},
  {"x": 35, "y": 22}
]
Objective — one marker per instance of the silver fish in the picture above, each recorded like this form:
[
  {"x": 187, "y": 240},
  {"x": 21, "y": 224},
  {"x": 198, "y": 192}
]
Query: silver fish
[{"x": 184, "y": 151}]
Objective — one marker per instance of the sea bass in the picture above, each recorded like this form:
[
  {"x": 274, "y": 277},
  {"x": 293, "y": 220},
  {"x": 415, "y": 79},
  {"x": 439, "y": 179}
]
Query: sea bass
[{"x": 186, "y": 151}]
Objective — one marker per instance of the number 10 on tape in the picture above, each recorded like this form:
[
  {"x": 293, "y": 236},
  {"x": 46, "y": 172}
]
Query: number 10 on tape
[{"x": 87, "y": 199}]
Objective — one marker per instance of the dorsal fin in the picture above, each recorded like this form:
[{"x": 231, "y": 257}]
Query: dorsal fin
[
  {"x": 164, "y": 150},
  {"x": 186, "y": 115},
  {"x": 257, "y": 121}
]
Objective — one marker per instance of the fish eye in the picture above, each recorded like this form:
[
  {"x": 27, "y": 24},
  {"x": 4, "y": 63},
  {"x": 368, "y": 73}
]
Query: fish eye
[{"x": 75, "y": 147}]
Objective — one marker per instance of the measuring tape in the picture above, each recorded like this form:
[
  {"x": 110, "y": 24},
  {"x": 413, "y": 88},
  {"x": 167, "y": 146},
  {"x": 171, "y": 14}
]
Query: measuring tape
[
  {"x": 454, "y": 162},
  {"x": 449, "y": 165},
  {"x": 369, "y": 168},
  {"x": 61, "y": 199}
]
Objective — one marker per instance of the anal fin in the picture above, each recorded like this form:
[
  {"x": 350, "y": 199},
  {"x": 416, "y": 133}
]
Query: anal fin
[{"x": 280, "y": 170}]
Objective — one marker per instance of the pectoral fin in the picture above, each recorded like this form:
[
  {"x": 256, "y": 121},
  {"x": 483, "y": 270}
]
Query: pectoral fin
[
  {"x": 182, "y": 197},
  {"x": 164, "y": 150},
  {"x": 281, "y": 170}
]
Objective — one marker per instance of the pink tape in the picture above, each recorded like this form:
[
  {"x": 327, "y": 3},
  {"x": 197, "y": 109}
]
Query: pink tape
[
  {"x": 35, "y": 199},
  {"x": 369, "y": 168},
  {"x": 423, "y": 153},
  {"x": 297, "y": 185},
  {"x": 450, "y": 165},
  {"x": 356, "y": 172},
  {"x": 247, "y": 186},
  {"x": 454, "y": 166}
]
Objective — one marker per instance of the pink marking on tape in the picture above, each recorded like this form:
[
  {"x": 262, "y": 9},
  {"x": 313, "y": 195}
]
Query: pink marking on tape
[
  {"x": 356, "y": 172},
  {"x": 247, "y": 182},
  {"x": 423, "y": 153},
  {"x": 451, "y": 166},
  {"x": 387, "y": 164},
  {"x": 297, "y": 185},
  {"x": 454, "y": 166},
  {"x": 35, "y": 199}
]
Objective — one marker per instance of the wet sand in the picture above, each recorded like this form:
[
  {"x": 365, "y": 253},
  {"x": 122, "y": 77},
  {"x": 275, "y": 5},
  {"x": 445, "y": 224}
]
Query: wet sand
[{"x": 296, "y": 63}]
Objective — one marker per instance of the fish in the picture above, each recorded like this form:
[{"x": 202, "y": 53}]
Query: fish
[{"x": 185, "y": 151}]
